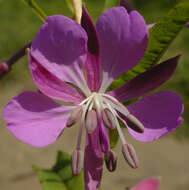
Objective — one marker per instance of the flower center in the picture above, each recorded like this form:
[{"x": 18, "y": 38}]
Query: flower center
[{"x": 101, "y": 107}]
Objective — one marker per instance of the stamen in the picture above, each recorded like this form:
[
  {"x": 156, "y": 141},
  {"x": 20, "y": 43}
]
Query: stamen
[
  {"x": 91, "y": 121},
  {"x": 108, "y": 119},
  {"x": 117, "y": 123},
  {"x": 111, "y": 161},
  {"x": 74, "y": 116},
  {"x": 133, "y": 123},
  {"x": 130, "y": 155},
  {"x": 77, "y": 161},
  {"x": 82, "y": 122},
  {"x": 124, "y": 113},
  {"x": 116, "y": 105}
]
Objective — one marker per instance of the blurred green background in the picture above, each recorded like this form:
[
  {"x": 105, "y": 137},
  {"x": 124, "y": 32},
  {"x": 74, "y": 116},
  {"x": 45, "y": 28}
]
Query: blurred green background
[{"x": 18, "y": 26}]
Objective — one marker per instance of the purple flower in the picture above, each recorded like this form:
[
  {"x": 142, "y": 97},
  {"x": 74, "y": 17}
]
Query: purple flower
[{"x": 76, "y": 64}]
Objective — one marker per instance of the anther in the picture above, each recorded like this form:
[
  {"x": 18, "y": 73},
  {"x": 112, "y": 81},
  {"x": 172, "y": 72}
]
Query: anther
[
  {"x": 111, "y": 161},
  {"x": 74, "y": 116},
  {"x": 77, "y": 161},
  {"x": 134, "y": 123},
  {"x": 108, "y": 119},
  {"x": 91, "y": 121},
  {"x": 130, "y": 155}
]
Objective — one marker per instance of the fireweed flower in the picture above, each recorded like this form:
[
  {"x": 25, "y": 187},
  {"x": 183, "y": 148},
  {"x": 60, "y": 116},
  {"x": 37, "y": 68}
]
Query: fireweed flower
[
  {"x": 76, "y": 64},
  {"x": 152, "y": 183}
]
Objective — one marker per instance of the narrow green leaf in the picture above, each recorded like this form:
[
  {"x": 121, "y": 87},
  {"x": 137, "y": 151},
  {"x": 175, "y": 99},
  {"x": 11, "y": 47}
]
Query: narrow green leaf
[
  {"x": 37, "y": 10},
  {"x": 163, "y": 33},
  {"x": 161, "y": 36},
  {"x": 69, "y": 5},
  {"x": 114, "y": 137}
]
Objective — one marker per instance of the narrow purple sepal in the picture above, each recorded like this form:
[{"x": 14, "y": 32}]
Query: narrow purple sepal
[
  {"x": 87, "y": 24},
  {"x": 147, "y": 81},
  {"x": 93, "y": 61}
]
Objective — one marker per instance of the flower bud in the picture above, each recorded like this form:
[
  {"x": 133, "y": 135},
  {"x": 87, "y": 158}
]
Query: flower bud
[
  {"x": 91, "y": 121},
  {"x": 111, "y": 161},
  {"x": 108, "y": 119},
  {"x": 130, "y": 155},
  {"x": 74, "y": 116},
  {"x": 4, "y": 68},
  {"x": 77, "y": 161}
]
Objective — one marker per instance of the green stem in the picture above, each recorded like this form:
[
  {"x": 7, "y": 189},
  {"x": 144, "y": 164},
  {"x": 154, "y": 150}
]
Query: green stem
[{"x": 37, "y": 10}]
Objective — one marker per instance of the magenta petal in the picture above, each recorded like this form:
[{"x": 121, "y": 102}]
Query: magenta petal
[
  {"x": 93, "y": 63},
  {"x": 61, "y": 48},
  {"x": 35, "y": 119},
  {"x": 152, "y": 183},
  {"x": 52, "y": 86},
  {"x": 160, "y": 114},
  {"x": 123, "y": 41},
  {"x": 146, "y": 81},
  {"x": 93, "y": 161}
]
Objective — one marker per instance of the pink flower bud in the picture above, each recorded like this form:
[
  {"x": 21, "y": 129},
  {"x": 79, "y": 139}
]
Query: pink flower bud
[
  {"x": 4, "y": 68},
  {"x": 108, "y": 119},
  {"x": 91, "y": 121},
  {"x": 111, "y": 161},
  {"x": 130, "y": 155},
  {"x": 74, "y": 116},
  {"x": 77, "y": 161}
]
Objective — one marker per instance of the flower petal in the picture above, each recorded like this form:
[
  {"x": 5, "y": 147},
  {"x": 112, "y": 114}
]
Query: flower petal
[
  {"x": 152, "y": 183},
  {"x": 160, "y": 114},
  {"x": 93, "y": 161},
  {"x": 123, "y": 41},
  {"x": 52, "y": 86},
  {"x": 93, "y": 63},
  {"x": 35, "y": 119},
  {"x": 147, "y": 81},
  {"x": 61, "y": 48}
]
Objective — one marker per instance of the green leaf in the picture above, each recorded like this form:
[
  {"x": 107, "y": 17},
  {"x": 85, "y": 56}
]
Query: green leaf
[
  {"x": 48, "y": 175},
  {"x": 70, "y": 5},
  {"x": 114, "y": 137},
  {"x": 53, "y": 185},
  {"x": 62, "y": 160},
  {"x": 60, "y": 176},
  {"x": 76, "y": 182},
  {"x": 161, "y": 36},
  {"x": 37, "y": 10}
]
